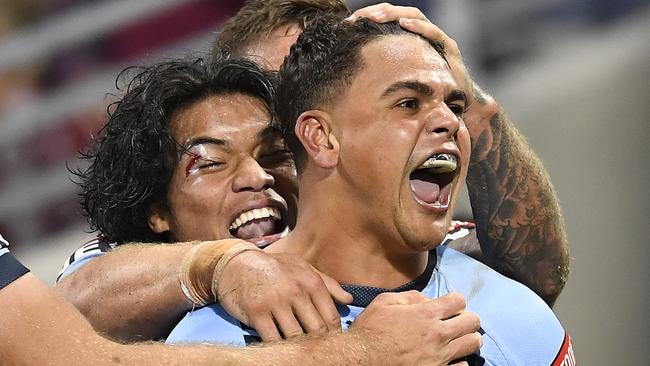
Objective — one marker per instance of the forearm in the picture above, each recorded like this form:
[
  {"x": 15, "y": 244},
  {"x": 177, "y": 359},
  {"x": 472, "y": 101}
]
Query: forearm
[
  {"x": 42, "y": 329},
  {"x": 352, "y": 348},
  {"x": 519, "y": 225},
  {"x": 131, "y": 293}
]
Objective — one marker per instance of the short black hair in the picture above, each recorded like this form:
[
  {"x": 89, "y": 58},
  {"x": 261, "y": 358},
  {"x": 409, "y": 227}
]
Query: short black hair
[
  {"x": 133, "y": 158},
  {"x": 321, "y": 65}
]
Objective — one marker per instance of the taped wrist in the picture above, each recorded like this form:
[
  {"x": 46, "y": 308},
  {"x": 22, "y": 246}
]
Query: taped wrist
[{"x": 203, "y": 265}]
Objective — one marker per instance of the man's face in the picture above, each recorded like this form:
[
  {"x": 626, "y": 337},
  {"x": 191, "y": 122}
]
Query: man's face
[
  {"x": 232, "y": 176},
  {"x": 402, "y": 109}
]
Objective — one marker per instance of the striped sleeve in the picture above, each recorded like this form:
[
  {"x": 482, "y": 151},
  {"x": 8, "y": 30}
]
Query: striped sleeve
[
  {"x": 10, "y": 268},
  {"x": 83, "y": 255},
  {"x": 4, "y": 246}
]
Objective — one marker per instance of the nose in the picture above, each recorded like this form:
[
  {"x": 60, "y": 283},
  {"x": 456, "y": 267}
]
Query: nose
[
  {"x": 250, "y": 176},
  {"x": 443, "y": 122}
]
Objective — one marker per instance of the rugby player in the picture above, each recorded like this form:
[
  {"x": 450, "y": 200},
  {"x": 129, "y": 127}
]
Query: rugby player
[
  {"x": 530, "y": 246},
  {"x": 373, "y": 117},
  {"x": 41, "y": 328}
]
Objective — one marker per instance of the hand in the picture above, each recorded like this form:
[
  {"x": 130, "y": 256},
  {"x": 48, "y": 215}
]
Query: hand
[
  {"x": 262, "y": 290},
  {"x": 480, "y": 105},
  {"x": 413, "y": 20},
  {"x": 415, "y": 330}
]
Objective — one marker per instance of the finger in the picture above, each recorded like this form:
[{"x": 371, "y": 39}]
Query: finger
[
  {"x": 426, "y": 29},
  {"x": 367, "y": 11},
  {"x": 401, "y": 298},
  {"x": 465, "y": 345},
  {"x": 266, "y": 328},
  {"x": 309, "y": 317},
  {"x": 335, "y": 290},
  {"x": 465, "y": 323},
  {"x": 382, "y": 13},
  {"x": 393, "y": 13},
  {"x": 288, "y": 323},
  {"x": 447, "y": 306},
  {"x": 327, "y": 310}
]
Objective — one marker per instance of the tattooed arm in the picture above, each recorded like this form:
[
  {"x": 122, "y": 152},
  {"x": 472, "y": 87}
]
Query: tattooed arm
[{"x": 519, "y": 225}]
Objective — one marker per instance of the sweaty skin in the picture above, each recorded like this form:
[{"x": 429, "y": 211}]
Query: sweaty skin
[
  {"x": 384, "y": 128},
  {"x": 62, "y": 336},
  {"x": 519, "y": 223}
]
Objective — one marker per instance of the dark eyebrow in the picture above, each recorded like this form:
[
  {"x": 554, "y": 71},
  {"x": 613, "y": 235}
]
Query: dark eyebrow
[
  {"x": 204, "y": 140},
  {"x": 417, "y": 86},
  {"x": 456, "y": 95}
]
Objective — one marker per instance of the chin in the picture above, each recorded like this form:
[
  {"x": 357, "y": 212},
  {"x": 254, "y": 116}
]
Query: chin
[{"x": 428, "y": 235}]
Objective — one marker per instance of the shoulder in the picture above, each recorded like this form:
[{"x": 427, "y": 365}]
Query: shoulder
[
  {"x": 89, "y": 250},
  {"x": 518, "y": 324}
]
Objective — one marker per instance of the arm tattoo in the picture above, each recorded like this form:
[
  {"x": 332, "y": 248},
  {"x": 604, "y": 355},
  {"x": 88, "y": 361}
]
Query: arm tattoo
[{"x": 519, "y": 225}]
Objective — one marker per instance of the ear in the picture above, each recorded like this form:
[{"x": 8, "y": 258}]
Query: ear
[
  {"x": 158, "y": 218},
  {"x": 314, "y": 130}
]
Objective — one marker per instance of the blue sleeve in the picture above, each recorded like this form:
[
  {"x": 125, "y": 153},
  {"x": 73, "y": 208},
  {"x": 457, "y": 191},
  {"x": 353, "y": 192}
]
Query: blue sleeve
[
  {"x": 210, "y": 324},
  {"x": 519, "y": 328},
  {"x": 526, "y": 332}
]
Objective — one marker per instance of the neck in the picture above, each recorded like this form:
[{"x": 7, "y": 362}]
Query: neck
[{"x": 341, "y": 242}]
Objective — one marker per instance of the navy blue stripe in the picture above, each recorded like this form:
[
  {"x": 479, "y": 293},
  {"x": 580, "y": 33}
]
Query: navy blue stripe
[{"x": 10, "y": 269}]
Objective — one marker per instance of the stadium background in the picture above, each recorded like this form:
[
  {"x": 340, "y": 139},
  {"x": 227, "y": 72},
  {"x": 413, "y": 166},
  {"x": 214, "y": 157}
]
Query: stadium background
[{"x": 572, "y": 74}]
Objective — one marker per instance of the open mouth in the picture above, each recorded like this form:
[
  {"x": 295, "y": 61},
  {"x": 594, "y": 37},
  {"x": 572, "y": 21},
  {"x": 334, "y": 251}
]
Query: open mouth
[
  {"x": 431, "y": 182},
  {"x": 260, "y": 226}
]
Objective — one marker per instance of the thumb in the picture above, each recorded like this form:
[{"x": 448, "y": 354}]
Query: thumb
[{"x": 338, "y": 293}]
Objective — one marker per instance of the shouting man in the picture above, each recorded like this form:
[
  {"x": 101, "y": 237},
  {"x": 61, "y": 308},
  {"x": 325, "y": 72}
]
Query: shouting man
[{"x": 373, "y": 117}]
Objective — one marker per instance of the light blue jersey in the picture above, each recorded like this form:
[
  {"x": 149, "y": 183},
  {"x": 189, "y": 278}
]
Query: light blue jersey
[{"x": 518, "y": 328}]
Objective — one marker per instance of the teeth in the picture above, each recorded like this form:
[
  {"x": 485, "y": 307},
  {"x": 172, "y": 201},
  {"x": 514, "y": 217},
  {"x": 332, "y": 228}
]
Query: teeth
[
  {"x": 440, "y": 163},
  {"x": 258, "y": 213},
  {"x": 284, "y": 232}
]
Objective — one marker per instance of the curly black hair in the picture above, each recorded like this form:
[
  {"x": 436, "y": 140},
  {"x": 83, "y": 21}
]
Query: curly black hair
[
  {"x": 133, "y": 158},
  {"x": 320, "y": 67}
]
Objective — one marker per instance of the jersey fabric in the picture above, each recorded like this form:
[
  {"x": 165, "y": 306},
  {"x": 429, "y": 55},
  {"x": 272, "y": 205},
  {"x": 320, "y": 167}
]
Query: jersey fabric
[
  {"x": 10, "y": 268},
  {"x": 99, "y": 246},
  {"x": 517, "y": 327},
  {"x": 83, "y": 255}
]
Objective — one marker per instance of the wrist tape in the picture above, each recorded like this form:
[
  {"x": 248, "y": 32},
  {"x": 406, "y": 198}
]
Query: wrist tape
[{"x": 203, "y": 265}]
